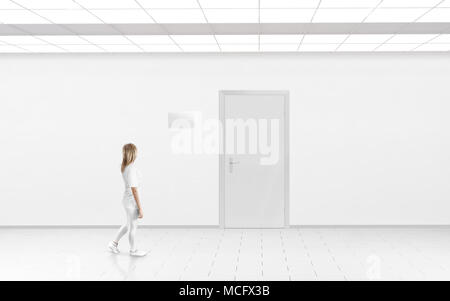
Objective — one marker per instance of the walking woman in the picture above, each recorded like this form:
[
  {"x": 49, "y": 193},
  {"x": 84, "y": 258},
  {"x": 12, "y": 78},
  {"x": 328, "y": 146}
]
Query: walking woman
[{"x": 130, "y": 201}]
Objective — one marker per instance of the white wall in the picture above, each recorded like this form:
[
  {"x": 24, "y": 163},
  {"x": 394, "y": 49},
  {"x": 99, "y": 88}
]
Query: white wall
[{"x": 370, "y": 135}]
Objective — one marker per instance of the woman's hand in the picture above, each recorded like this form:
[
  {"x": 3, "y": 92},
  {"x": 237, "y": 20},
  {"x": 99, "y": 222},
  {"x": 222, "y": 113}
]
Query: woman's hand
[{"x": 141, "y": 214}]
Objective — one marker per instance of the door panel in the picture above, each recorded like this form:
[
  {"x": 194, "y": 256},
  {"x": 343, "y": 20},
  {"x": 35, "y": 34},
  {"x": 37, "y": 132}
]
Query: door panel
[{"x": 254, "y": 182}]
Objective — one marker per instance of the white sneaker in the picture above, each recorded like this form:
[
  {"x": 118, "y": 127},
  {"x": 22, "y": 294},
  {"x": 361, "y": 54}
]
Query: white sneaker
[
  {"x": 138, "y": 253},
  {"x": 112, "y": 247}
]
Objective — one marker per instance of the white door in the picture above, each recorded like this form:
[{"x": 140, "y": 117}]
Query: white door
[{"x": 254, "y": 161}]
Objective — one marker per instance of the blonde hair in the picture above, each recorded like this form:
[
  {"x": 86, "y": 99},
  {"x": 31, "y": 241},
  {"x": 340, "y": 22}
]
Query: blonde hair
[{"x": 129, "y": 152}]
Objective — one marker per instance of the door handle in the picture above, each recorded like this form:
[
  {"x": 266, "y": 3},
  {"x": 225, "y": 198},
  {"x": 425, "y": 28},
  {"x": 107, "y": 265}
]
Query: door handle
[{"x": 231, "y": 162}]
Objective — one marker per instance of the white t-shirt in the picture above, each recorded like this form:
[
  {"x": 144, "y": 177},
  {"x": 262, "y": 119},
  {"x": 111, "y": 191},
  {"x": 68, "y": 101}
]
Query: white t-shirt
[{"x": 131, "y": 178}]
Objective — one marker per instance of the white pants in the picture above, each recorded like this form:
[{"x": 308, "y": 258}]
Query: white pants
[{"x": 130, "y": 226}]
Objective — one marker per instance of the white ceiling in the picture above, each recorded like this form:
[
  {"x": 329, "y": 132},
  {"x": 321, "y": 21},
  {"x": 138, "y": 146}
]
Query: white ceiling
[
  {"x": 221, "y": 11},
  {"x": 224, "y": 11}
]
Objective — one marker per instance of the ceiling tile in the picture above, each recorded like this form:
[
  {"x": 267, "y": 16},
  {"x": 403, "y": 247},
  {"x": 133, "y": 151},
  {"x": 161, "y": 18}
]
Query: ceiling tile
[
  {"x": 443, "y": 38},
  {"x": 237, "y": 39},
  {"x": 286, "y": 15},
  {"x": 6, "y": 4},
  {"x": 82, "y": 48},
  {"x": 341, "y": 15},
  {"x": 278, "y": 47},
  {"x": 20, "y": 17},
  {"x": 281, "y": 39},
  {"x": 194, "y": 39},
  {"x": 22, "y": 40},
  {"x": 324, "y": 39},
  {"x": 121, "y": 48},
  {"x": 200, "y": 48},
  {"x": 357, "y": 47},
  {"x": 169, "y": 4},
  {"x": 73, "y": 16},
  {"x": 433, "y": 47},
  {"x": 396, "y": 14},
  {"x": 177, "y": 15},
  {"x": 48, "y": 4},
  {"x": 349, "y": 3},
  {"x": 368, "y": 38},
  {"x": 43, "y": 48},
  {"x": 231, "y": 15},
  {"x": 11, "y": 49},
  {"x": 107, "y": 40},
  {"x": 156, "y": 39},
  {"x": 411, "y": 38},
  {"x": 123, "y": 15},
  {"x": 409, "y": 3},
  {"x": 64, "y": 40},
  {"x": 318, "y": 47},
  {"x": 161, "y": 48},
  {"x": 239, "y": 47},
  {"x": 229, "y": 3},
  {"x": 397, "y": 47},
  {"x": 106, "y": 4},
  {"x": 289, "y": 3},
  {"x": 436, "y": 15}
]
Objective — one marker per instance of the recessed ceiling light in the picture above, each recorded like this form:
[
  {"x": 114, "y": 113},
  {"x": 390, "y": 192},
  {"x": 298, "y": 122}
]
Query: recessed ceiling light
[
  {"x": 154, "y": 39},
  {"x": 367, "y": 38},
  {"x": 22, "y": 40},
  {"x": 278, "y": 47},
  {"x": 324, "y": 38},
  {"x": 436, "y": 15},
  {"x": 239, "y": 47},
  {"x": 121, "y": 48},
  {"x": 411, "y": 38},
  {"x": 177, "y": 15},
  {"x": 289, "y": 3},
  {"x": 433, "y": 47},
  {"x": 443, "y": 38},
  {"x": 48, "y": 4},
  {"x": 318, "y": 47},
  {"x": 200, "y": 48},
  {"x": 341, "y": 15},
  {"x": 169, "y": 4},
  {"x": 194, "y": 39},
  {"x": 231, "y": 15},
  {"x": 63, "y": 40},
  {"x": 357, "y": 47},
  {"x": 122, "y": 15},
  {"x": 229, "y": 3},
  {"x": 280, "y": 38},
  {"x": 286, "y": 15},
  {"x": 395, "y": 14},
  {"x": 20, "y": 17},
  {"x": 11, "y": 49},
  {"x": 107, "y": 40},
  {"x": 43, "y": 48},
  {"x": 82, "y": 48},
  {"x": 409, "y": 3},
  {"x": 237, "y": 39},
  {"x": 105, "y": 4},
  {"x": 72, "y": 16},
  {"x": 161, "y": 48},
  {"x": 349, "y": 3},
  {"x": 397, "y": 47}
]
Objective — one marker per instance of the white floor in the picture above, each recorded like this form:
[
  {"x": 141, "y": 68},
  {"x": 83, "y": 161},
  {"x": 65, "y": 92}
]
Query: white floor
[{"x": 214, "y": 254}]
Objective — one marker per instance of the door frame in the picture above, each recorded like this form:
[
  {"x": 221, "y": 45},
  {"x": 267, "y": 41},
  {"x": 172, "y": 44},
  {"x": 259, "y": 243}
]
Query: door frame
[{"x": 222, "y": 163}]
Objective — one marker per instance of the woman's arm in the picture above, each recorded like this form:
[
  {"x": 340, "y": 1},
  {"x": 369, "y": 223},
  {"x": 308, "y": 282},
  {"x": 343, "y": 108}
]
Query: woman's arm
[{"x": 138, "y": 203}]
